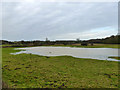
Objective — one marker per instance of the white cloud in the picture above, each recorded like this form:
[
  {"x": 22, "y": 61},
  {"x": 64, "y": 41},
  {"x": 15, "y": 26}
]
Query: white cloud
[{"x": 91, "y": 34}]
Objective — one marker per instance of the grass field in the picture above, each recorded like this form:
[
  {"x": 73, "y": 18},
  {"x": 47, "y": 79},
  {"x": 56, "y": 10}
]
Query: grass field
[{"x": 34, "y": 71}]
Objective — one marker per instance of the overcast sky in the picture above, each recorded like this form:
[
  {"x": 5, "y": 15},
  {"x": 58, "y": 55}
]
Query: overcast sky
[{"x": 59, "y": 20}]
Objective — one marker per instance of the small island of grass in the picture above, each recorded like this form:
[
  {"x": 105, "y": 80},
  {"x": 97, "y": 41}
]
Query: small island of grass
[{"x": 118, "y": 58}]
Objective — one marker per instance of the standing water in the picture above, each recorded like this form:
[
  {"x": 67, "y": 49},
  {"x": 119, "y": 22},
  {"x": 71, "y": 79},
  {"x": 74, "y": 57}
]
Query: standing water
[{"x": 93, "y": 53}]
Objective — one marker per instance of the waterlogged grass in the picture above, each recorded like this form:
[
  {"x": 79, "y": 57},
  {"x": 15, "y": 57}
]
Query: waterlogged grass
[{"x": 34, "y": 71}]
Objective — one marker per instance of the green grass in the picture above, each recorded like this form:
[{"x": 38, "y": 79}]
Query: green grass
[{"x": 34, "y": 71}]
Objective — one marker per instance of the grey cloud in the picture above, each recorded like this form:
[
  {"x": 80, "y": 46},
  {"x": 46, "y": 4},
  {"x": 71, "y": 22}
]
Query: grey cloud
[{"x": 39, "y": 20}]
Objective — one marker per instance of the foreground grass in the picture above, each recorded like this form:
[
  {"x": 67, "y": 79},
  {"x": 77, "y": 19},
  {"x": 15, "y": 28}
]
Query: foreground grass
[{"x": 34, "y": 71}]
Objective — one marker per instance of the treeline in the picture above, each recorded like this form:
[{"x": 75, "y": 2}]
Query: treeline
[
  {"x": 38, "y": 43},
  {"x": 108, "y": 40}
]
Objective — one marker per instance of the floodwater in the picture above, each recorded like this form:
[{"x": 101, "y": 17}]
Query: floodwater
[{"x": 93, "y": 53}]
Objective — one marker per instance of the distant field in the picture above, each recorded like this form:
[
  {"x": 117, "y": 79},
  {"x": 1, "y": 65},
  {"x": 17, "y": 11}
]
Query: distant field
[
  {"x": 94, "y": 46},
  {"x": 34, "y": 71},
  {"x": 78, "y": 45},
  {"x": 6, "y": 45}
]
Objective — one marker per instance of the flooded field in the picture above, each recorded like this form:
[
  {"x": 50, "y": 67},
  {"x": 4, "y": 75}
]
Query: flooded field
[{"x": 92, "y": 53}]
